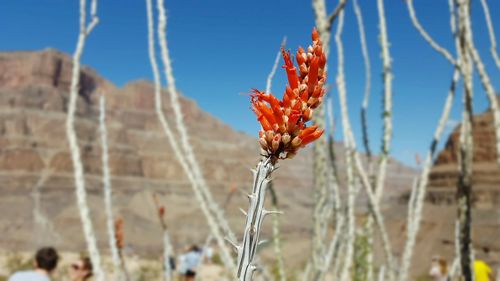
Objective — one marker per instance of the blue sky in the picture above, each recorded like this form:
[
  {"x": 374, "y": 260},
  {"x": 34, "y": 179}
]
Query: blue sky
[{"x": 221, "y": 49}]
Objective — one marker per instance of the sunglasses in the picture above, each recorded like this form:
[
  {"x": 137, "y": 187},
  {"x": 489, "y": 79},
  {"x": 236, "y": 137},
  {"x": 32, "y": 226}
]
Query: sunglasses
[{"x": 76, "y": 267}]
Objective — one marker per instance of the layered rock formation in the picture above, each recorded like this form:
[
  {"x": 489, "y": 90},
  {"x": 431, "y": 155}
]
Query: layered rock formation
[
  {"x": 35, "y": 163},
  {"x": 486, "y": 172},
  {"x": 437, "y": 234}
]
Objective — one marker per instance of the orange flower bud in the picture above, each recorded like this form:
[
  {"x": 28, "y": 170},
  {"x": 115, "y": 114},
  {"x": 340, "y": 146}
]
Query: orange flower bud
[
  {"x": 269, "y": 136},
  {"x": 263, "y": 143},
  {"x": 315, "y": 34},
  {"x": 296, "y": 142},
  {"x": 285, "y": 138},
  {"x": 276, "y": 142}
]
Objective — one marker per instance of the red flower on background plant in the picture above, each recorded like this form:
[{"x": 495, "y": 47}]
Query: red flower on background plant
[
  {"x": 119, "y": 236},
  {"x": 161, "y": 211},
  {"x": 284, "y": 130}
]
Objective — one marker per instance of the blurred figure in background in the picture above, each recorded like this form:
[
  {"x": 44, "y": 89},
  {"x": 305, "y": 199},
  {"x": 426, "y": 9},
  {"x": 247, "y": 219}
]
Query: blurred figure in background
[
  {"x": 189, "y": 262},
  {"x": 439, "y": 269},
  {"x": 45, "y": 263},
  {"x": 482, "y": 270},
  {"x": 81, "y": 270}
]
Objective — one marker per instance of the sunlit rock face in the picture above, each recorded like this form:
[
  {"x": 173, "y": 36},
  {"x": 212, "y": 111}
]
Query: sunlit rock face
[{"x": 486, "y": 172}]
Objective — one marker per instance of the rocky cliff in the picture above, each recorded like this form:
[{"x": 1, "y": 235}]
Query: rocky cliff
[
  {"x": 486, "y": 172},
  {"x": 437, "y": 234}
]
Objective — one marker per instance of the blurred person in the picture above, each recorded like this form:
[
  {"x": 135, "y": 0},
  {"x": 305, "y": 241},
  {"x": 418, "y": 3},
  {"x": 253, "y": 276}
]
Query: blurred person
[
  {"x": 439, "y": 269},
  {"x": 81, "y": 270},
  {"x": 189, "y": 262},
  {"x": 45, "y": 263},
  {"x": 482, "y": 271}
]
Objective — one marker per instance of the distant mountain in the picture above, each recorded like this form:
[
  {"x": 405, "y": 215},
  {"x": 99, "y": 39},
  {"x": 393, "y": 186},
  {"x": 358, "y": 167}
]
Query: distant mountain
[{"x": 33, "y": 151}]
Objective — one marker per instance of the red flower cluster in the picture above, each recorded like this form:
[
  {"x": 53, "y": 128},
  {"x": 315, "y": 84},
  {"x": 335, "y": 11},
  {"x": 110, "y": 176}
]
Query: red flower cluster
[
  {"x": 119, "y": 233},
  {"x": 283, "y": 122},
  {"x": 161, "y": 211}
]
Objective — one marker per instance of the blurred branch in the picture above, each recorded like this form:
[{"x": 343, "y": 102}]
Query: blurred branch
[
  {"x": 491, "y": 32},
  {"x": 167, "y": 245},
  {"x": 73, "y": 141},
  {"x": 387, "y": 113},
  {"x": 333, "y": 16},
  {"x": 366, "y": 60},
  {"x": 181, "y": 127},
  {"x": 107, "y": 190},
  {"x": 426, "y": 35},
  {"x": 275, "y": 66},
  {"x": 466, "y": 146},
  {"x": 211, "y": 220},
  {"x": 419, "y": 189},
  {"x": 322, "y": 195},
  {"x": 274, "y": 197},
  {"x": 487, "y": 85},
  {"x": 351, "y": 219}
]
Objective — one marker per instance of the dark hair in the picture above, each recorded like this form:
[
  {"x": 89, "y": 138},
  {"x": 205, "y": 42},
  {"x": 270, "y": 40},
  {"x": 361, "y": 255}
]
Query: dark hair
[
  {"x": 46, "y": 258},
  {"x": 195, "y": 248},
  {"x": 87, "y": 265}
]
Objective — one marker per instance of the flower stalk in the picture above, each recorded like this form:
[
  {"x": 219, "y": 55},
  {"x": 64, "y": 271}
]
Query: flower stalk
[
  {"x": 284, "y": 132},
  {"x": 107, "y": 190}
]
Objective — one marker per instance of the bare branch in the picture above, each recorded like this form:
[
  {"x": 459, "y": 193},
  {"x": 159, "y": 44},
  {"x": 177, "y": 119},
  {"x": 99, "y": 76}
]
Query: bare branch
[
  {"x": 426, "y": 35},
  {"x": 366, "y": 59},
  {"x": 181, "y": 128},
  {"x": 275, "y": 66},
  {"x": 487, "y": 85},
  {"x": 336, "y": 12},
  {"x": 387, "y": 114},
  {"x": 351, "y": 219},
  {"x": 466, "y": 145},
  {"x": 107, "y": 190},
  {"x": 419, "y": 190},
  {"x": 211, "y": 220},
  {"x": 491, "y": 32},
  {"x": 81, "y": 194}
]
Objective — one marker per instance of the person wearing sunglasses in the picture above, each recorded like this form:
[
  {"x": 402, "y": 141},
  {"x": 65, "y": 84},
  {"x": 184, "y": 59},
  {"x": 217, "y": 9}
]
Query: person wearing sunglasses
[{"x": 81, "y": 270}]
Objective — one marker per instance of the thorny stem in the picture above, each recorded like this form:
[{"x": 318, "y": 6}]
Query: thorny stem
[
  {"x": 366, "y": 59},
  {"x": 106, "y": 182},
  {"x": 254, "y": 218},
  {"x": 464, "y": 186},
  {"x": 81, "y": 194},
  {"x": 387, "y": 114}
]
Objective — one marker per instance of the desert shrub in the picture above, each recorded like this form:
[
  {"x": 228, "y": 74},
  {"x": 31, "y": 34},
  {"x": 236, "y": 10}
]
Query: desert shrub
[{"x": 16, "y": 262}]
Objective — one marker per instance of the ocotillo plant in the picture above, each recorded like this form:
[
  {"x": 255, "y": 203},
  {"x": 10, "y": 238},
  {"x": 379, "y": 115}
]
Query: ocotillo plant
[
  {"x": 284, "y": 132},
  {"x": 167, "y": 245}
]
